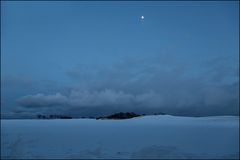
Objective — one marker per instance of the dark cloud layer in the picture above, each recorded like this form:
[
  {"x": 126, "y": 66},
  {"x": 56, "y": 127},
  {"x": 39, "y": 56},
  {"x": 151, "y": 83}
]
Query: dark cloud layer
[{"x": 145, "y": 86}]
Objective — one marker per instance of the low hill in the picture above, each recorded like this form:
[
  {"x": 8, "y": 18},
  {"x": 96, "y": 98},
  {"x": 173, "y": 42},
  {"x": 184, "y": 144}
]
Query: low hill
[{"x": 120, "y": 115}]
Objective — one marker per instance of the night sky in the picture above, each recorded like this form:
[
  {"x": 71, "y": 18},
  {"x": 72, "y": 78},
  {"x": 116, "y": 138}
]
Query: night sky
[{"x": 95, "y": 58}]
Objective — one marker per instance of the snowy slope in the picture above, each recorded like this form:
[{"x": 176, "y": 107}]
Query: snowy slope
[{"x": 160, "y": 136}]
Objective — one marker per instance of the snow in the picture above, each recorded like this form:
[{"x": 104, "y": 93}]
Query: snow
[{"x": 161, "y": 136}]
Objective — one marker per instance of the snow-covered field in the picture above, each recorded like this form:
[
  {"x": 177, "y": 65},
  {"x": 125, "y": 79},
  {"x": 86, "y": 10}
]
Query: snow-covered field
[{"x": 160, "y": 136}]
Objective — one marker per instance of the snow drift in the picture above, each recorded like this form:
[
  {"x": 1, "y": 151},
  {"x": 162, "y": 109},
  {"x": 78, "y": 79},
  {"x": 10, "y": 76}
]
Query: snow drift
[{"x": 160, "y": 136}]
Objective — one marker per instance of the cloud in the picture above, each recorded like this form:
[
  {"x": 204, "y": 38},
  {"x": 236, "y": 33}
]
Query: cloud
[
  {"x": 85, "y": 98},
  {"x": 209, "y": 101},
  {"x": 87, "y": 102},
  {"x": 41, "y": 100},
  {"x": 146, "y": 85}
]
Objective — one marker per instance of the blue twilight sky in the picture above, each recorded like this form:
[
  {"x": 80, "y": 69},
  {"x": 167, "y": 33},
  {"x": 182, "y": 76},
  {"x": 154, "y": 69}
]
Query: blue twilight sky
[{"x": 93, "y": 58}]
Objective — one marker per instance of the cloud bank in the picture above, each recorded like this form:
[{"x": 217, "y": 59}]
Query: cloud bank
[
  {"x": 145, "y": 85},
  {"x": 86, "y": 103}
]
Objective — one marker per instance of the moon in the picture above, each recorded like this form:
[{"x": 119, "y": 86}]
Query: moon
[{"x": 142, "y": 17}]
